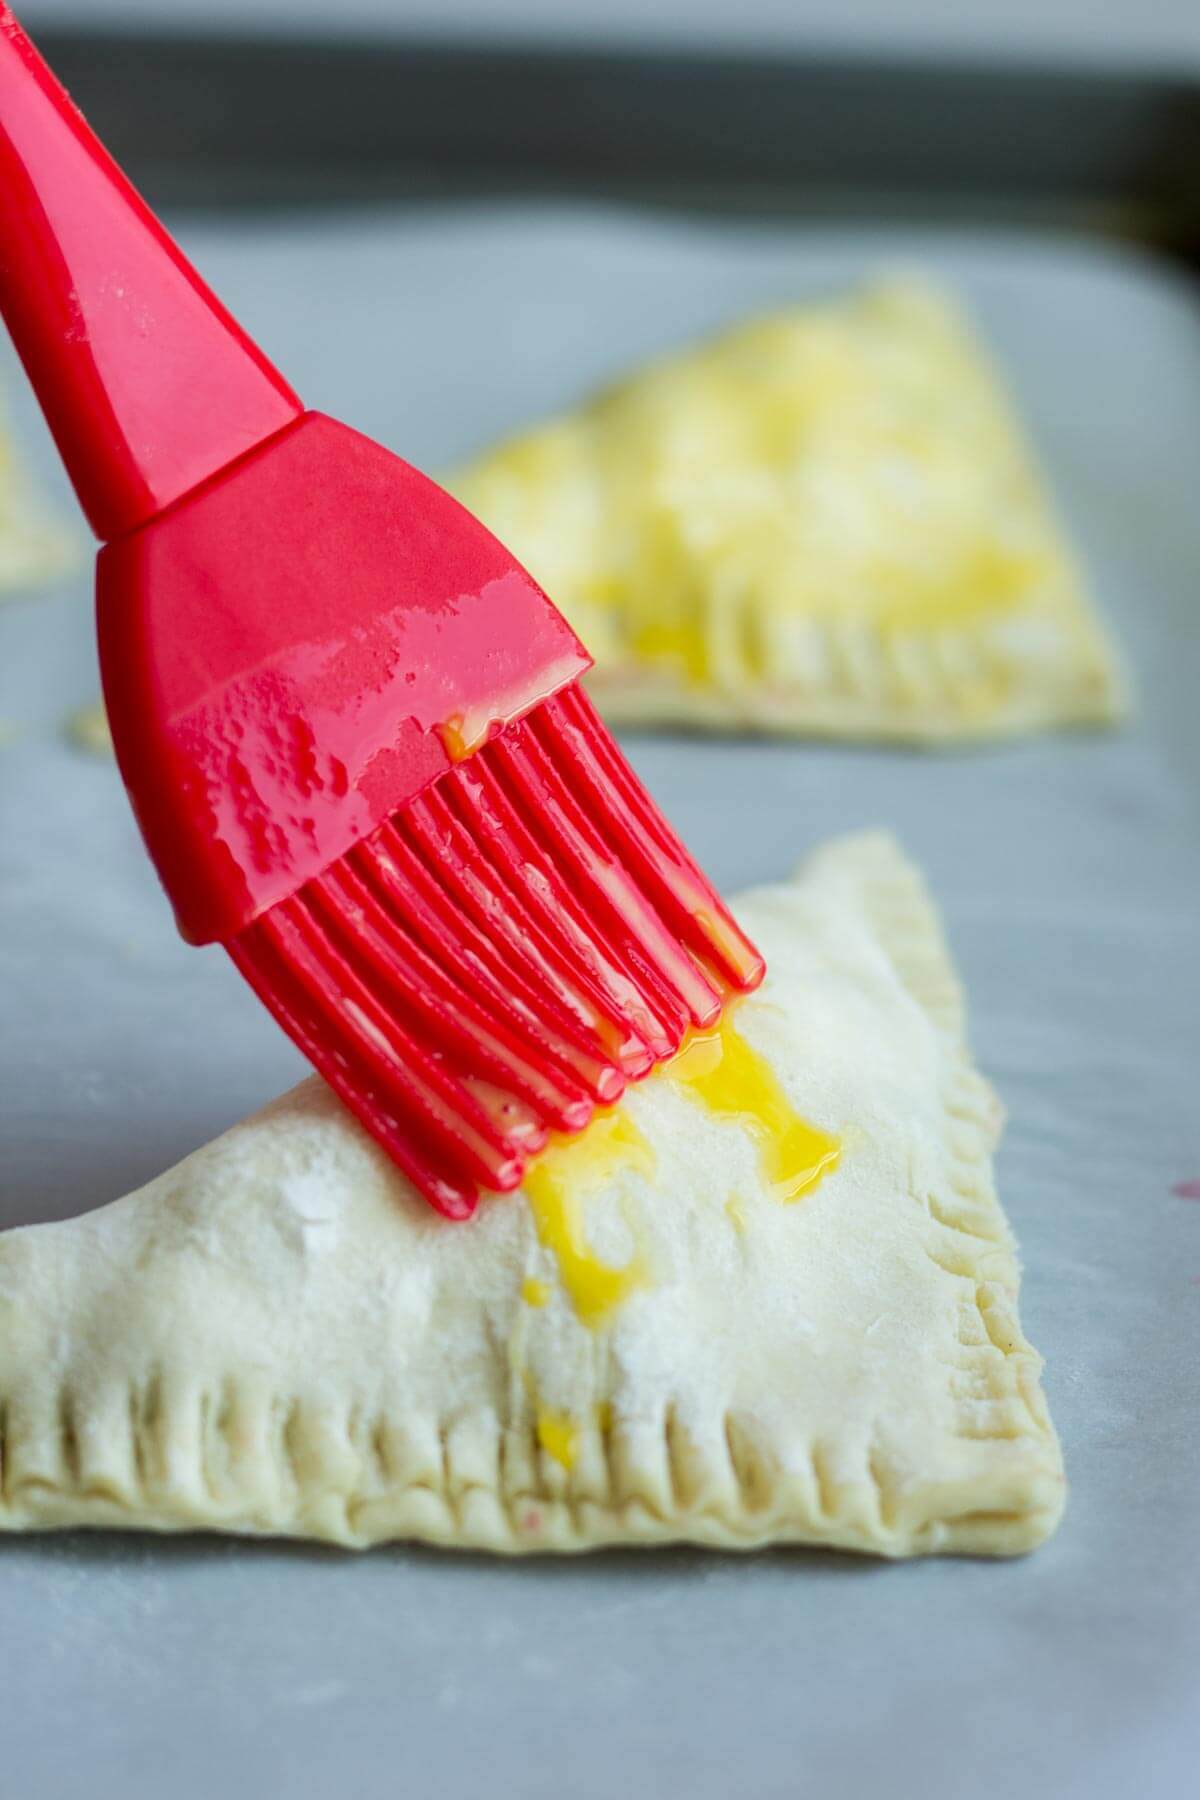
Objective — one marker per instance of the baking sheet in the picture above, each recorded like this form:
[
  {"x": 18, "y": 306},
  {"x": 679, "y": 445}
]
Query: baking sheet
[{"x": 1069, "y": 873}]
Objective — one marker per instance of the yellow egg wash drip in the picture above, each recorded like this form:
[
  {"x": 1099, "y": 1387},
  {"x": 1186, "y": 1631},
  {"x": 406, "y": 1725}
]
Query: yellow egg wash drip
[
  {"x": 557, "y": 1186},
  {"x": 463, "y": 733},
  {"x": 558, "y": 1435},
  {"x": 734, "y": 1082}
]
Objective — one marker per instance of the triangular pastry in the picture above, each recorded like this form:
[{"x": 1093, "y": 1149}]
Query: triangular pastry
[
  {"x": 769, "y": 1299},
  {"x": 826, "y": 521}
]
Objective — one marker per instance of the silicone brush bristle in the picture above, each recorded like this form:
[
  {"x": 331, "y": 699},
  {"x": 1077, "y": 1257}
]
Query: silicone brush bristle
[
  {"x": 501, "y": 957},
  {"x": 300, "y": 638}
]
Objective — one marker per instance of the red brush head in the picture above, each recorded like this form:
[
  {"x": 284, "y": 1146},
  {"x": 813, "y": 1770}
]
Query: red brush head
[
  {"x": 295, "y": 650},
  {"x": 302, "y": 642},
  {"x": 297, "y": 631},
  {"x": 300, "y": 658}
]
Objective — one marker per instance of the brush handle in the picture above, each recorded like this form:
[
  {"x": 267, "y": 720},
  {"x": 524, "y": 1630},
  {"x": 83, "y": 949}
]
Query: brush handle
[{"x": 147, "y": 383}]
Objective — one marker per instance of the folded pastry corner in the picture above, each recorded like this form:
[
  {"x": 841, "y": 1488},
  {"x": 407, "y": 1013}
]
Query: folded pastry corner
[
  {"x": 771, "y": 1298},
  {"x": 825, "y": 521}
]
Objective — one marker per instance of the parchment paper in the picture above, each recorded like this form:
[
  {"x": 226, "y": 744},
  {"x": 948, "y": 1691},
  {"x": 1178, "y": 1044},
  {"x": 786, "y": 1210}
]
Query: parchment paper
[{"x": 1069, "y": 871}]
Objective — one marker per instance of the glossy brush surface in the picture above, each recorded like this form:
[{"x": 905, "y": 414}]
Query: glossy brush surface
[
  {"x": 502, "y": 957},
  {"x": 296, "y": 650}
]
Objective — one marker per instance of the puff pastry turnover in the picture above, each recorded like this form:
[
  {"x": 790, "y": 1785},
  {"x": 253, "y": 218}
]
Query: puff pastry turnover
[
  {"x": 653, "y": 1343},
  {"x": 826, "y": 521}
]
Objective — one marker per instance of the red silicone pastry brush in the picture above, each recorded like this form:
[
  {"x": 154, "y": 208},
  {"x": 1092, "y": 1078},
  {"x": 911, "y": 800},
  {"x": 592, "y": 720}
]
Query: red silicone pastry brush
[{"x": 349, "y": 723}]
